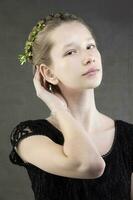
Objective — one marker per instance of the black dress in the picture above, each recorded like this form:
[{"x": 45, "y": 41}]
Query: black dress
[{"x": 114, "y": 184}]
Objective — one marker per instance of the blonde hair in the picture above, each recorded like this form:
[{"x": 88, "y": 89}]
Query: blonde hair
[{"x": 42, "y": 44}]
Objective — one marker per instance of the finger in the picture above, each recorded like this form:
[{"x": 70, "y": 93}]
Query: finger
[
  {"x": 36, "y": 76},
  {"x": 34, "y": 70},
  {"x": 36, "y": 79},
  {"x": 39, "y": 76}
]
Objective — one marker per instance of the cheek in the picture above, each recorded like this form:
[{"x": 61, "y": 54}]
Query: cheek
[
  {"x": 69, "y": 66},
  {"x": 73, "y": 65},
  {"x": 68, "y": 76},
  {"x": 74, "y": 60}
]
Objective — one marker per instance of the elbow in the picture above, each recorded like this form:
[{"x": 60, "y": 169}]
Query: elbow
[
  {"x": 97, "y": 170},
  {"x": 96, "y": 173},
  {"x": 93, "y": 171}
]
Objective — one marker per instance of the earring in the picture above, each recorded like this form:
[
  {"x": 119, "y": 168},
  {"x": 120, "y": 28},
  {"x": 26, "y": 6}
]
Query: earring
[{"x": 50, "y": 87}]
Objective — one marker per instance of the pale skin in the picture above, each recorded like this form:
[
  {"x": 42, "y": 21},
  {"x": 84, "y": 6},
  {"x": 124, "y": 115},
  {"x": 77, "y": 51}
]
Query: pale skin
[
  {"x": 67, "y": 70},
  {"x": 78, "y": 91}
]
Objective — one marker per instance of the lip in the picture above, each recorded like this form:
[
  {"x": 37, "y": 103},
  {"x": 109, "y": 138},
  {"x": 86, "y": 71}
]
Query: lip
[{"x": 91, "y": 70}]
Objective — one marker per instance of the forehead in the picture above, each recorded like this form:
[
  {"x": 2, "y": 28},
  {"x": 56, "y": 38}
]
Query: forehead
[{"x": 70, "y": 32}]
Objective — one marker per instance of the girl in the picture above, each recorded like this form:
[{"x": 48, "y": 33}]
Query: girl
[{"x": 77, "y": 152}]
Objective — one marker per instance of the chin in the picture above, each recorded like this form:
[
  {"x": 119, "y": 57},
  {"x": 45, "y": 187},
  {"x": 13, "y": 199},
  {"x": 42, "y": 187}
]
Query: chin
[{"x": 95, "y": 84}]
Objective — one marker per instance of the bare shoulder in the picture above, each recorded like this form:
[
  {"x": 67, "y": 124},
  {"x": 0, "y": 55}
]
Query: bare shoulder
[{"x": 107, "y": 122}]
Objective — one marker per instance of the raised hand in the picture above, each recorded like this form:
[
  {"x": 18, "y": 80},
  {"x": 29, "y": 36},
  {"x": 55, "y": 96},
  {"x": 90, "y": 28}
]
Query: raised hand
[{"x": 53, "y": 101}]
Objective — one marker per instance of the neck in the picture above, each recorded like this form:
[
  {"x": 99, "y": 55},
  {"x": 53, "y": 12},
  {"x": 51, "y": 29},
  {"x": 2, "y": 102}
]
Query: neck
[{"x": 83, "y": 109}]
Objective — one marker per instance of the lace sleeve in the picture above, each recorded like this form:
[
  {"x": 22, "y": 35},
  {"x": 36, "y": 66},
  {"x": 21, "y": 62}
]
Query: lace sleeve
[{"x": 22, "y": 130}]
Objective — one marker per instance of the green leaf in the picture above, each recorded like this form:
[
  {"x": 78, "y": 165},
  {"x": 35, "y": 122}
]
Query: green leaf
[{"x": 22, "y": 59}]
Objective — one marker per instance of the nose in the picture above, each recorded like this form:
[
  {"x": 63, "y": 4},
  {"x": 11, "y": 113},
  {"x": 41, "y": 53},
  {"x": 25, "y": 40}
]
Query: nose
[{"x": 88, "y": 59}]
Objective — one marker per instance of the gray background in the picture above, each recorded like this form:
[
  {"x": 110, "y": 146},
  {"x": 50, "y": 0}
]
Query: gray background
[{"x": 112, "y": 22}]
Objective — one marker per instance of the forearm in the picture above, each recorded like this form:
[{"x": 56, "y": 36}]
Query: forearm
[{"x": 77, "y": 144}]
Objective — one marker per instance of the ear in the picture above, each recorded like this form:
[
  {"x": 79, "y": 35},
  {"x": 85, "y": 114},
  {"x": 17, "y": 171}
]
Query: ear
[{"x": 48, "y": 74}]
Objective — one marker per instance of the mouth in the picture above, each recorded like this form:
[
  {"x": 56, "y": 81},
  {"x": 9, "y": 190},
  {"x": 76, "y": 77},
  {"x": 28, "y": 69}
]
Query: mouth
[{"x": 91, "y": 71}]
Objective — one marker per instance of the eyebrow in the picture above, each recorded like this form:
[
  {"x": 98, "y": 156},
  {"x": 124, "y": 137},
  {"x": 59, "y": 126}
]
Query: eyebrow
[{"x": 72, "y": 43}]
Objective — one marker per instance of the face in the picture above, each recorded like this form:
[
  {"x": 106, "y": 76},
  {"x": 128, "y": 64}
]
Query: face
[{"x": 74, "y": 53}]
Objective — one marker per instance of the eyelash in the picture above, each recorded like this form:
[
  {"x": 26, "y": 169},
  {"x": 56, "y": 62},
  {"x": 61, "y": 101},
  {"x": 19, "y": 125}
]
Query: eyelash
[{"x": 72, "y": 50}]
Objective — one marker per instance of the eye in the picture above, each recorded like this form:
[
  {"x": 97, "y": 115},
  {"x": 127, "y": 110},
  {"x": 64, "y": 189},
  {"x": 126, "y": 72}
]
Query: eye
[
  {"x": 69, "y": 52},
  {"x": 91, "y": 45}
]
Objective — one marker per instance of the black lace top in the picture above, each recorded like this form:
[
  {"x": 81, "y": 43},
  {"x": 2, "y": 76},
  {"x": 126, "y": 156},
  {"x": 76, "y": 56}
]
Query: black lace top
[{"x": 114, "y": 184}]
